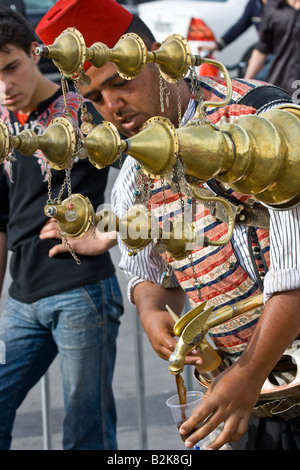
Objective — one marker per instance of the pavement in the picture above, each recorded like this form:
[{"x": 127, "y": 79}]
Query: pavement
[{"x": 142, "y": 384}]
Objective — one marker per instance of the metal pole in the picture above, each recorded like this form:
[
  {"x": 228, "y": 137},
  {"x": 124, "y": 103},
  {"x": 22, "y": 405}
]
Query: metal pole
[
  {"x": 140, "y": 381},
  {"x": 45, "y": 389}
]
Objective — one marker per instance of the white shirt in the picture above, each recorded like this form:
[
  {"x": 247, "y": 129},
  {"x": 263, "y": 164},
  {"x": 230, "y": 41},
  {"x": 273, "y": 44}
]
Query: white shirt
[{"x": 147, "y": 265}]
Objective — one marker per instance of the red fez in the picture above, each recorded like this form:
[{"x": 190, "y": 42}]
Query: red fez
[{"x": 97, "y": 20}]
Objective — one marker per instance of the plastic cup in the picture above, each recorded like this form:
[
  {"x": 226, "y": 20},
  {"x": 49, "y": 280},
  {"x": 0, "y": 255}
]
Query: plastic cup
[{"x": 180, "y": 412}]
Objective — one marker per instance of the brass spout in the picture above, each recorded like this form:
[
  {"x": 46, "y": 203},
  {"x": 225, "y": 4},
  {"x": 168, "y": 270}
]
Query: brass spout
[
  {"x": 194, "y": 326},
  {"x": 58, "y": 143},
  {"x": 68, "y": 52},
  {"x": 191, "y": 336},
  {"x": 74, "y": 215}
]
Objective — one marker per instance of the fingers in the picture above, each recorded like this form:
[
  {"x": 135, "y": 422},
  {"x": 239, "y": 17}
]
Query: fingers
[
  {"x": 50, "y": 230},
  {"x": 197, "y": 419},
  {"x": 232, "y": 430},
  {"x": 165, "y": 348},
  {"x": 193, "y": 358},
  {"x": 57, "y": 249}
]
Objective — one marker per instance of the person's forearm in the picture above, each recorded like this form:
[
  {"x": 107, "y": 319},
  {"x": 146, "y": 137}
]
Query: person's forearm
[
  {"x": 256, "y": 63},
  {"x": 3, "y": 257},
  {"x": 277, "y": 328},
  {"x": 150, "y": 298}
]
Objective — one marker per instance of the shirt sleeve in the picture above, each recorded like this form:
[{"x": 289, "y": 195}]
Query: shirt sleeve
[
  {"x": 243, "y": 23},
  {"x": 146, "y": 265},
  {"x": 284, "y": 272},
  {"x": 265, "y": 43}
]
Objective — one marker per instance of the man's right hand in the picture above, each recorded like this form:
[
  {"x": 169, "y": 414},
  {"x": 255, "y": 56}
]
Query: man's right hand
[{"x": 150, "y": 300}]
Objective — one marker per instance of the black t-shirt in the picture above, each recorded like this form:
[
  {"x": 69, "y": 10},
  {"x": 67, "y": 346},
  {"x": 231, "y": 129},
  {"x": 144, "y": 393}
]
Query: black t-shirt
[
  {"x": 280, "y": 35},
  {"x": 23, "y": 195}
]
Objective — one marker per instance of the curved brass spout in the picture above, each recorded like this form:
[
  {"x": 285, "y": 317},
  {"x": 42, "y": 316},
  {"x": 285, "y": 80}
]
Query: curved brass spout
[
  {"x": 229, "y": 212},
  {"x": 199, "y": 115},
  {"x": 190, "y": 336},
  {"x": 58, "y": 143},
  {"x": 193, "y": 327}
]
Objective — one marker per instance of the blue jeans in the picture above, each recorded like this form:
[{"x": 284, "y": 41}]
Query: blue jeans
[{"x": 82, "y": 326}]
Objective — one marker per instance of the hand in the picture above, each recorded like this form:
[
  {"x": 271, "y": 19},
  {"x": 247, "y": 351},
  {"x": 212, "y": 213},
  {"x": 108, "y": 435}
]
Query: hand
[
  {"x": 230, "y": 399},
  {"x": 150, "y": 300},
  {"x": 208, "y": 48},
  {"x": 87, "y": 245},
  {"x": 159, "y": 330}
]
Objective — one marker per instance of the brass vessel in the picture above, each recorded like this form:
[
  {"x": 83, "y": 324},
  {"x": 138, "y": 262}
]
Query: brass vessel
[
  {"x": 58, "y": 143},
  {"x": 137, "y": 228},
  {"x": 257, "y": 155},
  {"x": 74, "y": 215},
  {"x": 130, "y": 55}
]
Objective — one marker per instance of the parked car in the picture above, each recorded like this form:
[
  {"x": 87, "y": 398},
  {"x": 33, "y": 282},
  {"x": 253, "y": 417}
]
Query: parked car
[{"x": 168, "y": 17}]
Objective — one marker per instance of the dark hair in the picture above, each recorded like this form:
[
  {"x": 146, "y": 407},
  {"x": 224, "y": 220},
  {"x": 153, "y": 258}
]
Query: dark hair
[
  {"x": 15, "y": 30},
  {"x": 141, "y": 29}
]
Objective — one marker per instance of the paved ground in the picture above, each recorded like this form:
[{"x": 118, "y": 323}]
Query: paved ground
[{"x": 144, "y": 421}]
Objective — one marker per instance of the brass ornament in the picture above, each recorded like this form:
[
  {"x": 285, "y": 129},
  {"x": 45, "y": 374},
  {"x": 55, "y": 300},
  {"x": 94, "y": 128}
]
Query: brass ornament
[
  {"x": 84, "y": 80},
  {"x": 74, "y": 215},
  {"x": 68, "y": 52},
  {"x": 57, "y": 142},
  {"x": 129, "y": 55}
]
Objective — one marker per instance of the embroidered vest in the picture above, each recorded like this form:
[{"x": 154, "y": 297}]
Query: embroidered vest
[{"x": 220, "y": 277}]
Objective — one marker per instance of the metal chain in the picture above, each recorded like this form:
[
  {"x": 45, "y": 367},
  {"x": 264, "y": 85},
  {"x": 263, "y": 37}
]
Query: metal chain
[
  {"x": 49, "y": 182},
  {"x": 64, "y": 85},
  {"x": 161, "y": 94},
  {"x": 66, "y": 242},
  {"x": 179, "y": 105}
]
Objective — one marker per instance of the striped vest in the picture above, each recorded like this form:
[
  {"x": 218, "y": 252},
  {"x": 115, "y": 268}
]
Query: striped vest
[{"x": 221, "y": 280}]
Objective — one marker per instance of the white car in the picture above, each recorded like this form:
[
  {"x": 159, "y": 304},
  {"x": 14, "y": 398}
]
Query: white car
[{"x": 174, "y": 17}]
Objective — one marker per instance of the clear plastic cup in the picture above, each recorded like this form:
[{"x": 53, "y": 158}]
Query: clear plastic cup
[{"x": 180, "y": 412}]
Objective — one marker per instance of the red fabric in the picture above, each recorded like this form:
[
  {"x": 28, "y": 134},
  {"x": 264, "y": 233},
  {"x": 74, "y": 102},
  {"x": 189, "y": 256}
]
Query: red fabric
[
  {"x": 199, "y": 31},
  {"x": 208, "y": 70},
  {"x": 22, "y": 118},
  {"x": 97, "y": 20}
]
